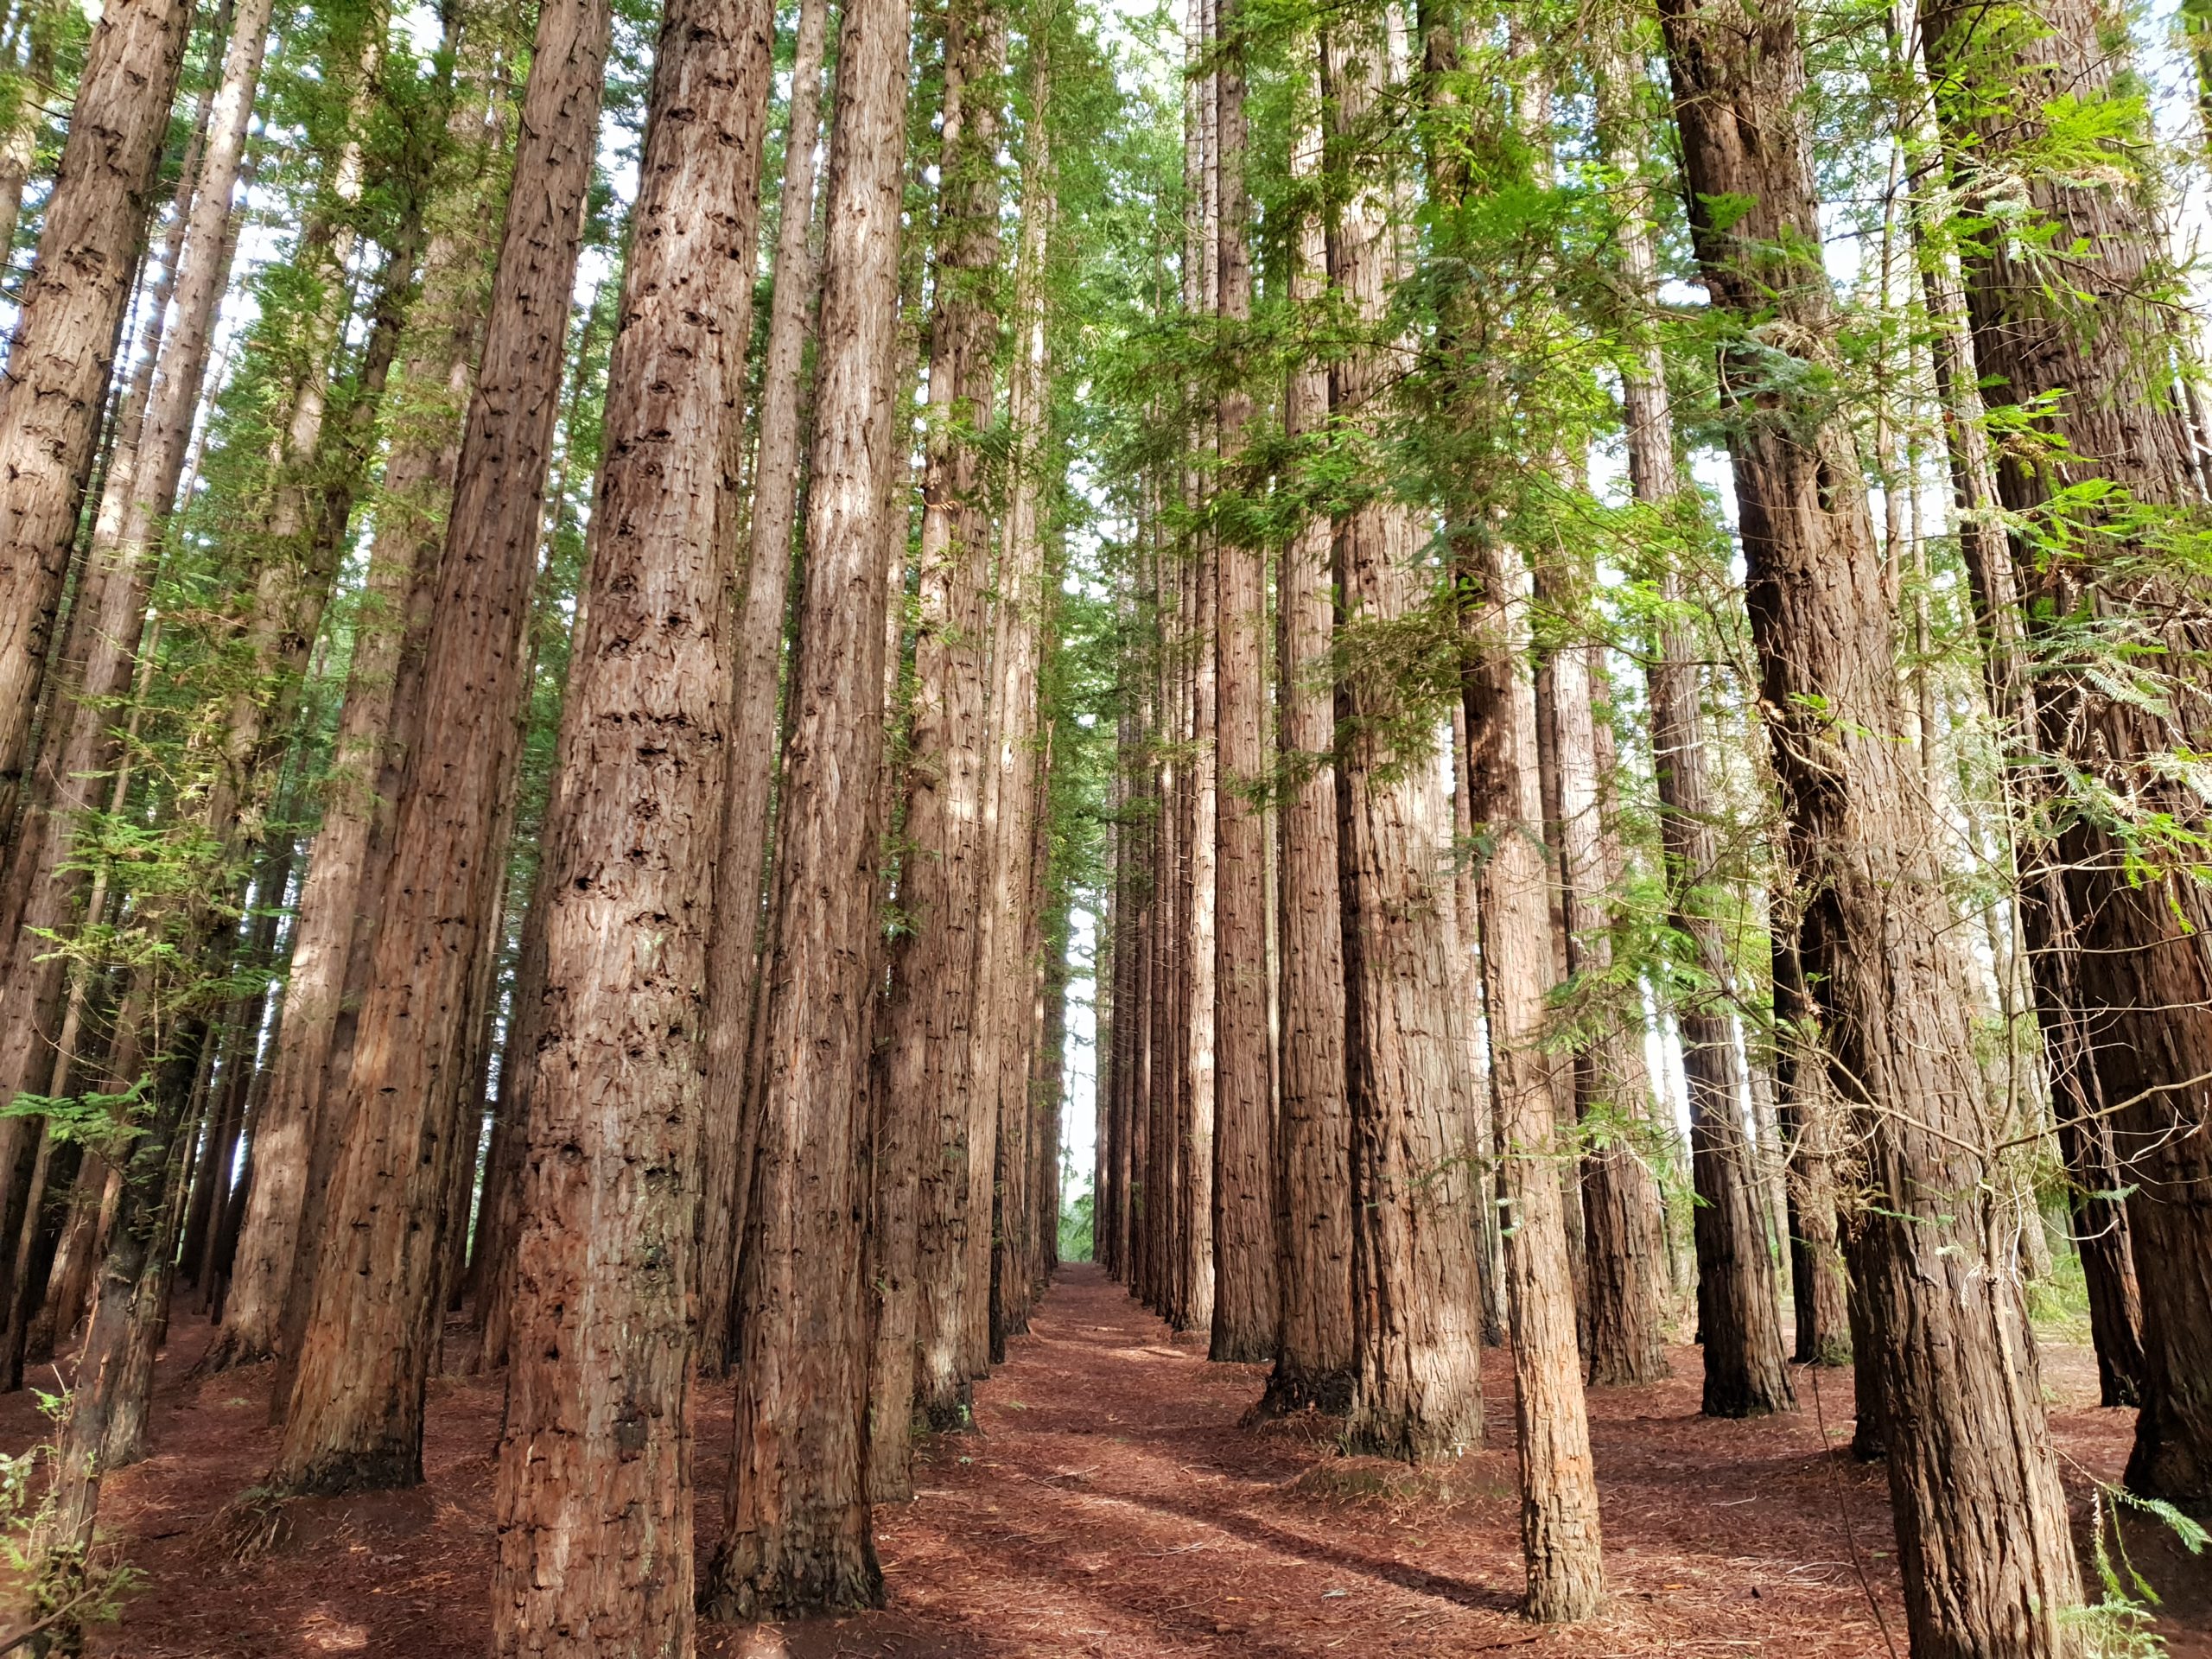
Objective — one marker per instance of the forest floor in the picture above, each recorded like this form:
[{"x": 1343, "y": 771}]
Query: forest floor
[{"x": 1115, "y": 1503}]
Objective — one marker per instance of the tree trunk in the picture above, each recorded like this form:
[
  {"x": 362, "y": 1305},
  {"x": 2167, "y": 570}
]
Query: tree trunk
[
  {"x": 355, "y": 1418},
  {"x": 797, "y": 1535},
  {"x": 1314, "y": 1353},
  {"x": 733, "y": 992},
  {"x": 63, "y": 348},
  {"x": 938, "y": 983},
  {"x": 42, "y": 24},
  {"x": 1245, "y": 1309},
  {"x": 1417, "y": 1318},
  {"x": 1624, "y": 1312},
  {"x": 2094, "y": 354},
  {"x": 1806, "y": 1111},
  {"x": 1560, "y": 1536},
  {"x": 594, "y": 1488},
  {"x": 1966, "y": 1437},
  {"x": 44, "y": 884}
]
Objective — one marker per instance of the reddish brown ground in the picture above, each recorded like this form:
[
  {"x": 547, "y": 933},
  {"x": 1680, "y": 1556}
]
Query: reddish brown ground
[{"x": 1114, "y": 1505}]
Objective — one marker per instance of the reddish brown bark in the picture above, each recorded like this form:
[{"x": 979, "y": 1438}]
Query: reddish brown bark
[
  {"x": 66, "y": 324},
  {"x": 797, "y": 1535},
  {"x": 1417, "y": 1323},
  {"x": 1982, "y": 1528},
  {"x": 2092, "y": 358},
  {"x": 1245, "y": 1309},
  {"x": 1313, "y": 1359},
  {"x": 594, "y": 1497},
  {"x": 938, "y": 989},
  {"x": 355, "y": 1418},
  {"x": 733, "y": 988}
]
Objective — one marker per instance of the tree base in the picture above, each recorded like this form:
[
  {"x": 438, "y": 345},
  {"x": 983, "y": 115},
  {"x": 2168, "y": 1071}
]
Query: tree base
[
  {"x": 1290, "y": 1392},
  {"x": 742, "y": 1589}
]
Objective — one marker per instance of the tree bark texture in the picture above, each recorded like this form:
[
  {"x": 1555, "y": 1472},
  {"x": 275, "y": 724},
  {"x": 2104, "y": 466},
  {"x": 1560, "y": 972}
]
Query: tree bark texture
[
  {"x": 63, "y": 348},
  {"x": 939, "y": 981},
  {"x": 594, "y": 1483},
  {"x": 1245, "y": 1304},
  {"x": 733, "y": 990},
  {"x": 2098, "y": 346},
  {"x": 1417, "y": 1318},
  {"x": 797, "y": 1535},
  {"x": 1982, "y": 1530},
  {"x": 1314, "y": 1352},
  {"x": 355, "y": 1418},
  {"x": 1562, "y": 1542}
]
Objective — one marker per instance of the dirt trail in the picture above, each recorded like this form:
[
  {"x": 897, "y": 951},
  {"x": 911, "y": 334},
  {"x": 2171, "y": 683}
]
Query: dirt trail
[{"x": 1113, "y": 1503}]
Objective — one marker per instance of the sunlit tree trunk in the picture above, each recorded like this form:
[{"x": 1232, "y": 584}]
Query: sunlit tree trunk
[
  {"x": 938, "y": 983},
  {"x": 797, "y": 1533}
]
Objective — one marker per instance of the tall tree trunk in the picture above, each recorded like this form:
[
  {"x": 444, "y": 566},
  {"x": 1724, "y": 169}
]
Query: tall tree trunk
[
  {"x": 1559, "y": 1532},
  {"x": 1623, "y": 1220},
  {"x": 1417, "y": 1318},
  {"x": 733, "y": 990},
  {"x": 426, "y": 410},
  {"x": 1807, "y": 1113},
  {"x": 1967, "y": 1436},
  {"x": 355, "y": 1418},
  {"x": 594, "y": 1487},
  {"x": 1314, "y": 1352},
  {"x": 1739, "y": 1315},
  {"x": 44, "y": 885},
  {"x": 797, "y": 1536},
  {"x": 937, "y": 988},
  {"x": 63, "y": 348},
  {"x": 2044, "y": 908},
  {"x": 2091, "y": 357},
  {"x": 1245, "y": 1309}
]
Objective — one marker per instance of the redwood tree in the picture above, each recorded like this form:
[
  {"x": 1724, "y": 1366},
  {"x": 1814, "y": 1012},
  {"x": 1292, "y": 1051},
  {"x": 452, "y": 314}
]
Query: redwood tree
[
  {"x": 797, "y": 1536},
  {"x": 594, "y": 1487},
  {"x": 1967, "y": 1442},
  {"x": 62, "y": 351},
  {"x": 356, "y": 1413}
]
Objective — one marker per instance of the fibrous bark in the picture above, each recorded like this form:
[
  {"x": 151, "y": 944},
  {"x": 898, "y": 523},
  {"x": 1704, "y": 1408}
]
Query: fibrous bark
[
  {"x": 797, "y": 1536},
  {"x": 68, "y": 322},
  {"x": 355, "y": 1418},
  {"x": 595, "y": 1490},
  {"x": 1982, "y": 1530}
]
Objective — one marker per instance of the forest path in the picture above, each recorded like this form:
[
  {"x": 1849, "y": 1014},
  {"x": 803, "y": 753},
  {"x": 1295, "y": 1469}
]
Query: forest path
[{"x": 1113, "y": 1504}]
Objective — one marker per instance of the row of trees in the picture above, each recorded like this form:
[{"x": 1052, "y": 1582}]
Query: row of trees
[
  {"x": 550, "y": 776},
  {"x": 468, "y": 744},
  {"x": 1889, "y": 827}
]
